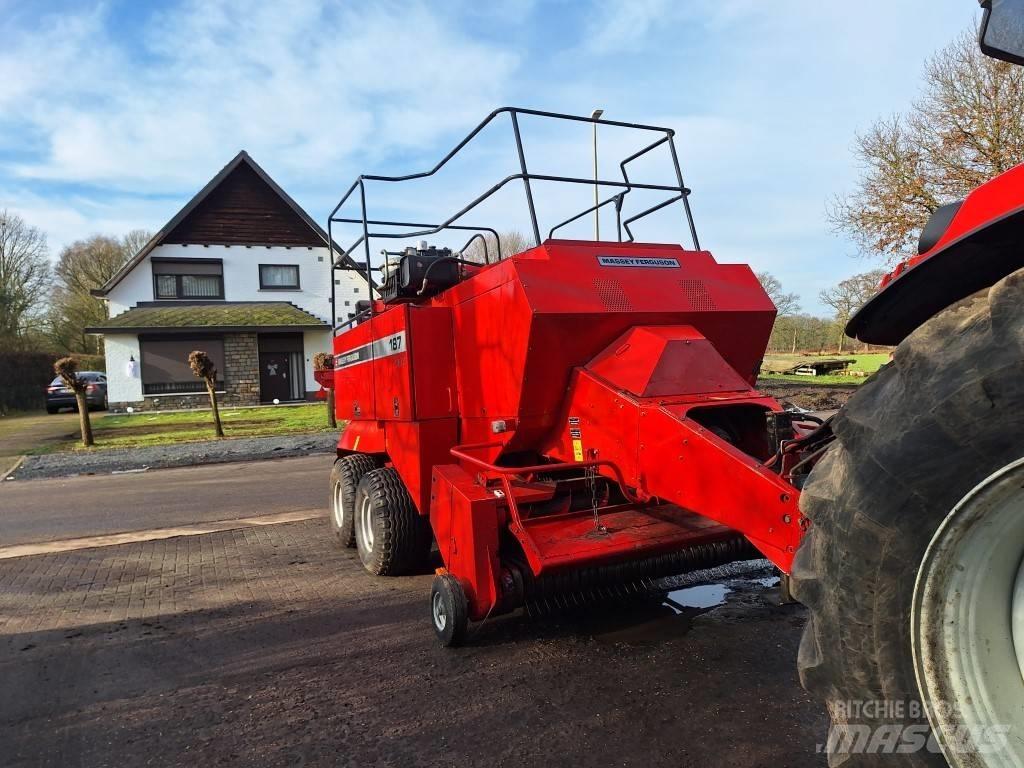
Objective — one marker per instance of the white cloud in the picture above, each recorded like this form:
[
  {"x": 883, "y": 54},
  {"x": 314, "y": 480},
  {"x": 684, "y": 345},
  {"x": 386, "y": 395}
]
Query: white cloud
[
  {"x": 97, "y": 117},
  {"x": 306, "y": 81}
]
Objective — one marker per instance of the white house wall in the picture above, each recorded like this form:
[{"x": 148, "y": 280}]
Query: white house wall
[
  {"x": 313, "y": 342},
  {"x": 241, "y": 283},
  {"x": 122, "y": 387},
  {"x": 242, "y": 278}
]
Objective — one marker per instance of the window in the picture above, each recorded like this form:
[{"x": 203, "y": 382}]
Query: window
[
  {"x": 165, "y": 366},
  {"x": 188, "y": 279},
  {"x": 279, "y": 276}
]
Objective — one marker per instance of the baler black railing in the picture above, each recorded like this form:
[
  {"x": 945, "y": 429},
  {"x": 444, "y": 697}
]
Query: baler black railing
[{"x": 625, "y": 185}]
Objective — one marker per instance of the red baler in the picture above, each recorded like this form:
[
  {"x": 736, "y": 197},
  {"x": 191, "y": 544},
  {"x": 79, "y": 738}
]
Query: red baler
[{"x": 572, "y": 420}]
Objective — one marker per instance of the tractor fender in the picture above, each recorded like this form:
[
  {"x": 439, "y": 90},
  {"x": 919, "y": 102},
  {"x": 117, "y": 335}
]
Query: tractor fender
[{"x": 965, "y": 248}]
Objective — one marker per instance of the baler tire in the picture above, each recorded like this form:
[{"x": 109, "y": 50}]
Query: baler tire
[
  {"x": 449, "y": 610},
  {"x": 345, "y": 477},
  {"x": 401, "y": 537},
  {"x": 945, "y": 414}
]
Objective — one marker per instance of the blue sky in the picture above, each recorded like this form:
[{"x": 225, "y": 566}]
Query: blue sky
[{"x": 113, "y": 114}]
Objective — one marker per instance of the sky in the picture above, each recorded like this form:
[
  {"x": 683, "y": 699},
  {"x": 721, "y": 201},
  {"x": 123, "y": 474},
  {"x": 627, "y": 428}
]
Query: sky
[{"x": 113, "y": 114}]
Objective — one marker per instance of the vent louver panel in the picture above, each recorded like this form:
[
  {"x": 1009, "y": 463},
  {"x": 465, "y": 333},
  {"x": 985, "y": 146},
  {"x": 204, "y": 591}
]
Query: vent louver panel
[{"x": 612, "y": 296}]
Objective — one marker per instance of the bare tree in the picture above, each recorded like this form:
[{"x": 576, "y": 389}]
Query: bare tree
[
  {"x": 966, "y": 127},
  {"x": 202, "y": 366},
  {"x": 785, "y": 303},
  {"x": 82, "y": 267},
  {"x": 67, "y": 369},
  {"x": 324, "y": 361},
  {"x": 132, "y": 242},
  {"x": 24, "y": 277},
  {"x": 511, "y": 243},
  {"x": 849, "y": 295}
]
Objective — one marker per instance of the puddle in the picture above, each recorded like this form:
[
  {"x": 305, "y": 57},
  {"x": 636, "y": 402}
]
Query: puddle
[
  {"x": 666, "y": 615},
  {"x": 704, "y": 596}
]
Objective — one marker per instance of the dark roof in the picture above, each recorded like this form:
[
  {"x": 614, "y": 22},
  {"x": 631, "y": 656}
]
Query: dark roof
[
  {"x": 169, "y": 229},
  {"x": 224, "y": 316}
]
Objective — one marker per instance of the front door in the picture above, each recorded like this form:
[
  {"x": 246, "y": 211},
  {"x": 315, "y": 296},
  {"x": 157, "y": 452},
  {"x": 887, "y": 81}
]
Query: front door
[{"x": 274, "y": 376}]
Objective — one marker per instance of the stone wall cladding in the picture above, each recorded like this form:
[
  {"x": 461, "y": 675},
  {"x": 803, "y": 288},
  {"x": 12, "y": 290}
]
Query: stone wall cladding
[{"x": 241, "y": 369}]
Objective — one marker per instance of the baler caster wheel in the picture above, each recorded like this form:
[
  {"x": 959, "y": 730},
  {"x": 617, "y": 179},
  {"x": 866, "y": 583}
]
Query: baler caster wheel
[{"x": 449, "y": 610}]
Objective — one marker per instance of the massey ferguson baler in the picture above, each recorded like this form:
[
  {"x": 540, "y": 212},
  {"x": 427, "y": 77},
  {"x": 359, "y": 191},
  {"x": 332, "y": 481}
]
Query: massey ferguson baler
[
  {"x": 581, "y": 414},
  {"x": 567, "y": 422}
]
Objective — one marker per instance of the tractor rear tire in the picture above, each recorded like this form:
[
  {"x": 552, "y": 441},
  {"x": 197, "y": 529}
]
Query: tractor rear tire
[
  {"x": 449, "y": 610},
  {"x": 391, "y": 536},
  {"x": 345, "y": 476},
  {"x": 912, "y": 446}
]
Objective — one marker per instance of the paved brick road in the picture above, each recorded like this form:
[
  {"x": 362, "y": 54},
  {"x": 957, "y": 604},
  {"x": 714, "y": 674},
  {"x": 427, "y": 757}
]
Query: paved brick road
[{"x": 268, "y": 646}]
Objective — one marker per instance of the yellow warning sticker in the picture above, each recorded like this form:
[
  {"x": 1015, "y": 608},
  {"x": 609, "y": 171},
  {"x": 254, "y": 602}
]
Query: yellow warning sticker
[{"x": 577, "y": 450}]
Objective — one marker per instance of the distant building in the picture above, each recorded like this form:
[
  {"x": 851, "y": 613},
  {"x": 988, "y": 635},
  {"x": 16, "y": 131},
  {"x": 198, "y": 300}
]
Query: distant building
[{"x": 241, "y": 272}]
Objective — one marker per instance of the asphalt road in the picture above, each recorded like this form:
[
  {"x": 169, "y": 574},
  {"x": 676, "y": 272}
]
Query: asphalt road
[{"x": 47, "y": 510}]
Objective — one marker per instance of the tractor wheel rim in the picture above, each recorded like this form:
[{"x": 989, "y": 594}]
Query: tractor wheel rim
[
  {"x": 967, "y": 626},
  {"x": 440, "y": 616},
  {"x": 338, "y": 505},
  {"x": 366, "y": 523}
]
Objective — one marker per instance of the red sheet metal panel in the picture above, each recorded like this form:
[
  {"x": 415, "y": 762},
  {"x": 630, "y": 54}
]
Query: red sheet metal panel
[
  {"x": 391, "y": 364},
  {"x": 432, "y": 351},
  {"x": 353, "y": 381},
  {"x": 661, "y": 361},
  {"x": 465, "y": 519},
  {"x": 414, "y": 447},
  {"x": 571, "y": 540}
]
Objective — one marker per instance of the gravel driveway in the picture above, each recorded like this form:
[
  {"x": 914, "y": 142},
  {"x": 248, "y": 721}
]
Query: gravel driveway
[{"x": 97, "y": 462}]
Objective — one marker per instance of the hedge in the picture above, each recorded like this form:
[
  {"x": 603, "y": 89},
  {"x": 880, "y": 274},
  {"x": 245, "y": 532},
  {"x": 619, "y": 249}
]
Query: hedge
[{"x": 24, "y": 376}]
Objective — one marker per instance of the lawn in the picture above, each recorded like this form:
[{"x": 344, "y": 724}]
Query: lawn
[
  {"x": 141, "y": 429},
  {"x": 864, "y": 363}
]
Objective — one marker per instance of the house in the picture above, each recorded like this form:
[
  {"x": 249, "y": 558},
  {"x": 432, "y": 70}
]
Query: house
[{"x": 241, "y": 272}]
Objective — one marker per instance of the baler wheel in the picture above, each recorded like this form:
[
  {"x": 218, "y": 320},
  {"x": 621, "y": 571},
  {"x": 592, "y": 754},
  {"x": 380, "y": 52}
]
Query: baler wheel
[
  {"x": 391, "y": 536},
  {"x": 911, "y": 568},
  {"x": 345, "y": 476},
  {"x": 449, "y": 610}
]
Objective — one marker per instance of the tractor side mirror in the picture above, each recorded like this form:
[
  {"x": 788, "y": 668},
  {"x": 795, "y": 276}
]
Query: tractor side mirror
[{"x": 1002, "y": 30}]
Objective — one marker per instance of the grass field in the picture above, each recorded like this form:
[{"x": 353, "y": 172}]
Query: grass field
[
  {"x": 865, "y": 363},
  {"x": 141, "y": 429}
]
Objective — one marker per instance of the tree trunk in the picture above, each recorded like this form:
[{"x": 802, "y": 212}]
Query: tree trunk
[
  {"x": 841, "y": 336},
  {"x": 332, "y": 420},
  {"x": 213, "y": 405},
  {"x": 794, "y": 342},
  {"x": 83, "y": 419}
]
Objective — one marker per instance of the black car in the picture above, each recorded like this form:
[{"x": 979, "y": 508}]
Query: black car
[{"x": 59, "y": 396}]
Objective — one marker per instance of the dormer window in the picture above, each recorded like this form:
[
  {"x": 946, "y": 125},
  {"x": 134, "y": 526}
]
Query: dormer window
[
  {"x": 279, "y": 277},
  {"x": 188, "y": 279}
]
